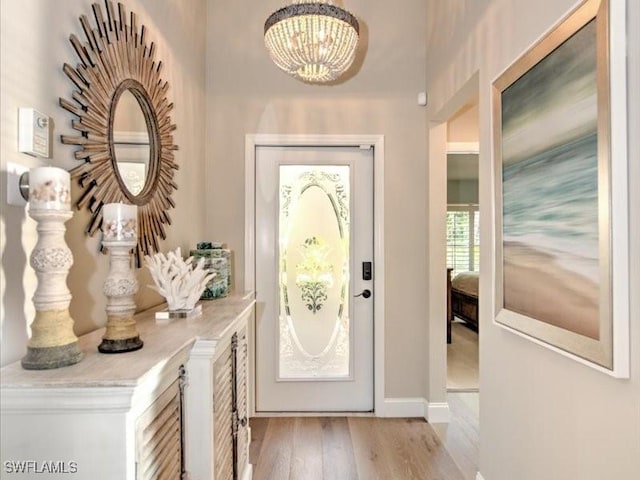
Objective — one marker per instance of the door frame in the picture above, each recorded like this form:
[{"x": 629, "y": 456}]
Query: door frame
[
  {"x": 437, "y": 252},
  {"x": 252, "y": 141}
]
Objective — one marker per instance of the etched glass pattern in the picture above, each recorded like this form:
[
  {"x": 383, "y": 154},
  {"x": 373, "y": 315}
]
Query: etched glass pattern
[{"x": 313, "y": 260}]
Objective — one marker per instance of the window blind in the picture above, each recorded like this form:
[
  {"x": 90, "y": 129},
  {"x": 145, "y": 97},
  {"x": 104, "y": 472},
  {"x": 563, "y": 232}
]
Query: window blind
[{"x": 463, "y": 238}]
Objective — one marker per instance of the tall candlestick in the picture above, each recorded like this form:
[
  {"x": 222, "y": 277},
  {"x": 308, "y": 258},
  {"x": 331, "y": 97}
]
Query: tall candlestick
[
  {"x": 49, "y": 189},
  {"x": 53, "y": 343},
  {"x": 119, "y": 222},
  {"x": 119, "y": 230}
]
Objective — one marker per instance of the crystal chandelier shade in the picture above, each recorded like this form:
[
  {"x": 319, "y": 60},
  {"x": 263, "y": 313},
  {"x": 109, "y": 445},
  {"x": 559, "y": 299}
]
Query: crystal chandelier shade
[{"x": 312, "y": 41}]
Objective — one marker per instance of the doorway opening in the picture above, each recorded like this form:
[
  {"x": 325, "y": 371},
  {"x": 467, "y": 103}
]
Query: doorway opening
[{"x": 463, "y": 249}]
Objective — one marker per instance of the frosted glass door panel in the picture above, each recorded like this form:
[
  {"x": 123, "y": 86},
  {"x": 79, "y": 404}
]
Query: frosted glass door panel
[
  {"x": 314, "y": 272},
  {"x": 314, "y": 228}
]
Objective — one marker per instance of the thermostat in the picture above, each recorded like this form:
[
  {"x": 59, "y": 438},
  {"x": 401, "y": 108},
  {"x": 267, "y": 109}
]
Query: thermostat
[{"x": 33, "y": 132}]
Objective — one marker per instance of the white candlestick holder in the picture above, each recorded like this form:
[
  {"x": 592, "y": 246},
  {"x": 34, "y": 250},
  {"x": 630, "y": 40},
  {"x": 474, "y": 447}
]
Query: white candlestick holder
[
  {"x": 120, "y": 287},
  {"x": 53, "y": 343}
]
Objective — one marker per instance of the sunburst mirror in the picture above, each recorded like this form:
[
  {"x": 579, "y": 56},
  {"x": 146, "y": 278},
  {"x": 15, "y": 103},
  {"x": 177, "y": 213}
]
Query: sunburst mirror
[{"x": 121, "y": 162}]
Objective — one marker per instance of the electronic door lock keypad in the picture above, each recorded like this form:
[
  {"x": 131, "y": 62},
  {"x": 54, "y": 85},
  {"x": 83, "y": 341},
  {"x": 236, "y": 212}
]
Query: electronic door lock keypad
[{"x": 367, "y": 273}]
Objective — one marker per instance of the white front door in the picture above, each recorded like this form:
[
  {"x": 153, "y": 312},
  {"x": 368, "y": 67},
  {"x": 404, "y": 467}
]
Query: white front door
[{"x": 314, "y": 254}]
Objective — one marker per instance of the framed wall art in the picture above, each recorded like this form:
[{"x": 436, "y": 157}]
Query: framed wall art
[{"x": 560, "y": 166}]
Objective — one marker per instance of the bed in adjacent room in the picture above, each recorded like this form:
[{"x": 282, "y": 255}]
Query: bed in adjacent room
[{"x": 464, "y": 298}]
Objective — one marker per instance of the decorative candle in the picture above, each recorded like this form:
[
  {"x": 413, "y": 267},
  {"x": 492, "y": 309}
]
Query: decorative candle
[
  {"x": 49, "y": 189},
  {"x": 119, "y": 222}
]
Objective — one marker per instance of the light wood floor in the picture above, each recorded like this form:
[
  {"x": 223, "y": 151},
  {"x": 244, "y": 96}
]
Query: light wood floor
[
  {"x": 462, "y": 359},
  {"x": 370, "y": 448},
  {"x": 350, "y": 448},
  {"x": 461, "y": 435}
]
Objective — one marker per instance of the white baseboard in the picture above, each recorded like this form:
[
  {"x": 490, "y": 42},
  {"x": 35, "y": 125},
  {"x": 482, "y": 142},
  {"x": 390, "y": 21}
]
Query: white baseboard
[
  {"x": 438, "y": 412},
  {"x": 248, "y": 472},
  {"x": 404, "y": 407},
  {"x": 479, "y": 476},
  {"x": 416, "y": 407}
]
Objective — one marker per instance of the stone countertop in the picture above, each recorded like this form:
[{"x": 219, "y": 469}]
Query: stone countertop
[{"x": 162, "y": 341}]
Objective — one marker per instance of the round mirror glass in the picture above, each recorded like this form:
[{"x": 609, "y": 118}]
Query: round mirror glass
[{"x": 131, "y": 143}]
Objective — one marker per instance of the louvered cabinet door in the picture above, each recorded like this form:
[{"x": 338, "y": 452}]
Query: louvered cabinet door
[
  {"x": 241, "y": 402},
  {"x": 223, "y": 416},
  {"x": 158, "y": 438}
]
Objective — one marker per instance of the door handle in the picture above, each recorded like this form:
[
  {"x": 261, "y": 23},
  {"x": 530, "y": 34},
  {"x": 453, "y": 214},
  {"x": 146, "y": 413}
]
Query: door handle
[{"x": 366, "y": 293}]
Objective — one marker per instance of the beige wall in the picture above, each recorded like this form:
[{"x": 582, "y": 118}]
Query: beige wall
[
  {"x": 463, "y": 126},
  {"x": 462, "y": 191},
  {"x": 34, "y": 43},
  {"x": 542, "y": 415},
  {"x": 248, "y": 94}
]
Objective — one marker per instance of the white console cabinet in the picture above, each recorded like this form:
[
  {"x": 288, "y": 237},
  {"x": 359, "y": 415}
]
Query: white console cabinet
[
  {"x": 175, "y": 409},
  {"x": 216, "y": 407}
]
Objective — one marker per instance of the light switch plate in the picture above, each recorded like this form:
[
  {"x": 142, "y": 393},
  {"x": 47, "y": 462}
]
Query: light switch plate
[
  {"x": 33, "y": 132},
  {"x": 14, "y": 170}
]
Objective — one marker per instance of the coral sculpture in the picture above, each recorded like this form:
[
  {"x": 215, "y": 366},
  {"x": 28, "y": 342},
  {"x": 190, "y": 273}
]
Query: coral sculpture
[{"x": 178, "y": 280}]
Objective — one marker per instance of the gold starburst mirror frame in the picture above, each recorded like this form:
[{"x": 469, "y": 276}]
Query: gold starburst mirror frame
[{"x": 116, "y": 59}]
